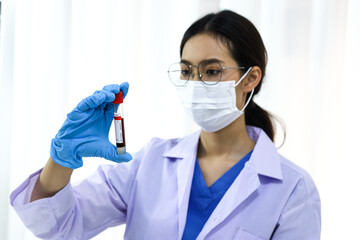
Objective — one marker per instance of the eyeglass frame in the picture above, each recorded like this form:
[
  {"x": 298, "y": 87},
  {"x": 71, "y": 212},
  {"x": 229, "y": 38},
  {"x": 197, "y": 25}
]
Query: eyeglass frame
[{"x": 199, "y": 73}]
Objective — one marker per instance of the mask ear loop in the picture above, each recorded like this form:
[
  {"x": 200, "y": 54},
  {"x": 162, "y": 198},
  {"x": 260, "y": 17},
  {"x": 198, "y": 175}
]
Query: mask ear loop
[
  {"x": 252, "y": 91},
  {"x": 248, "y": 101},
  {"x": 243, "y": 77}
]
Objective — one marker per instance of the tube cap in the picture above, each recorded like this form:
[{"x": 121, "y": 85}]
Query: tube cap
[{"x": 118, "y": 98}]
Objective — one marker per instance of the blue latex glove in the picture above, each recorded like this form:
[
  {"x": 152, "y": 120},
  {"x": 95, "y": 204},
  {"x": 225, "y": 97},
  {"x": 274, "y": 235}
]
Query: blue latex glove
[{"x": 86, "y": 129}]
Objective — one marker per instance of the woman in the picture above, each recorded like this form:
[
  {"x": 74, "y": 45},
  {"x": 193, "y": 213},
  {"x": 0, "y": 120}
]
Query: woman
[{"x": 226, "y": 181}]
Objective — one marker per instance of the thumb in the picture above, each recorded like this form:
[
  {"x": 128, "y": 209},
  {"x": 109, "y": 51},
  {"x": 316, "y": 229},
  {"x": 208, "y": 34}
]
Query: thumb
[{"x": 112, "y": 155}]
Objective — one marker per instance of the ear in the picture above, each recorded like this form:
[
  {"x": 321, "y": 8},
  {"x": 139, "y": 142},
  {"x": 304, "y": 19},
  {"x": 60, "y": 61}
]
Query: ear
[{"x": 252, "y": 79}]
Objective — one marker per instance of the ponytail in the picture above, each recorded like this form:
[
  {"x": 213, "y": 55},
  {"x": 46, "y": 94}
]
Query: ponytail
[{"x": 258, "y": 117}]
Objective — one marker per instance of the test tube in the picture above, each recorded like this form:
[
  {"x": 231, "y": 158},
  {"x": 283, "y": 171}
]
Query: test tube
[{"x": 119, "y": 124}]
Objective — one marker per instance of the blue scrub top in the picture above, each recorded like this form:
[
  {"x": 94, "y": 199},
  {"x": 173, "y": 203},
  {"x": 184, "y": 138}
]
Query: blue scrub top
[{"x": 203, "y": 199}]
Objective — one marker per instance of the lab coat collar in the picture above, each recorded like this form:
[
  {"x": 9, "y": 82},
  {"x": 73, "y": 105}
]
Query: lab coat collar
[
  {"x": 265, "y": 158},
  {"x": 185, "y": 146},
  {"x": 263, "y": 161}
]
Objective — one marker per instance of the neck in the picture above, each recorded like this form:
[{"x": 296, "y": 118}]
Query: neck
[{"x": 231, "y": 142}]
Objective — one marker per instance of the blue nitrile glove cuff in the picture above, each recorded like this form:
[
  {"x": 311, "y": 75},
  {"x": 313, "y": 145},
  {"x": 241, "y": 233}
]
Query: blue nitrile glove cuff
[
  {"x": 86, "y": 129},
  {"x": 61, "y": 155}
]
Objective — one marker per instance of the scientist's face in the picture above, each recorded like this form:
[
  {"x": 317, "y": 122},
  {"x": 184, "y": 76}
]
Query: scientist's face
[{"x": 204, "y": 47}]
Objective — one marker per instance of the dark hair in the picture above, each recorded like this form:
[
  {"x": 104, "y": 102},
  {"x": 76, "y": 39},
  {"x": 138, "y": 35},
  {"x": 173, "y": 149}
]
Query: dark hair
[{"x": 247, "y": 49}]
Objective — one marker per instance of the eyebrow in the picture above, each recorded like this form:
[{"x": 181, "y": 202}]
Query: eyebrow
[{"x": 211, "y": 60}]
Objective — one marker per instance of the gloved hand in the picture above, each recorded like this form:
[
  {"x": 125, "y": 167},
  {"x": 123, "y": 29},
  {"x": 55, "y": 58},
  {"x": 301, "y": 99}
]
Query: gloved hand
[{"x": 86, "y": 129}]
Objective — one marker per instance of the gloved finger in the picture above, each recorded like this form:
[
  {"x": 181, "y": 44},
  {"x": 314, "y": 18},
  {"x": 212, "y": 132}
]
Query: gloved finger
[
  {"x": 126, "y": 157},
  {"x": 114, "y": 88},
  {"x": 105, "y": 95},
  {"x": 92, "y": 101},
  {"x": 124, "y": 87},
  {"x": 112, "y": 155},
  {"x": 110, "y": 96}
]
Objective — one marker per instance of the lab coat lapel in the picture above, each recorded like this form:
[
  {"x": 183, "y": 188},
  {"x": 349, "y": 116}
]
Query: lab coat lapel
[
  {"x": 185, "y": 153},
  {"x": 185, "y": 173},
  {"x": 243, "y": 186}
]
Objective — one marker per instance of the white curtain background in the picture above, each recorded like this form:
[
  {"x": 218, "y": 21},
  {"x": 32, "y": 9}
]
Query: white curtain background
[{"x": 55, "y": 53}]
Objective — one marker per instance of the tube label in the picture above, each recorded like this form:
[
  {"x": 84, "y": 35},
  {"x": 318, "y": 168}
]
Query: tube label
[{"x": 118, "y": 131}]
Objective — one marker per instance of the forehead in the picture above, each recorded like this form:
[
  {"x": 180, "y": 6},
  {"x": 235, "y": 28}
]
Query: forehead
[{"x": 204, "y": 46}]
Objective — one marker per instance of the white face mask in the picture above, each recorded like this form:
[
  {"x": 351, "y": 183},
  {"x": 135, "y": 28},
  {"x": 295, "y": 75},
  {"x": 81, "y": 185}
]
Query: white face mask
[{"x": 212, "y": 107}]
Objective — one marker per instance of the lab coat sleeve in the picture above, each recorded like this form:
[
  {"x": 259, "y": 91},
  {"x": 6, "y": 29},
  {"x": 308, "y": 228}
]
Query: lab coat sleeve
[
  {"x": 80, "y": 211},
  {"x": 301, "y": 217}
]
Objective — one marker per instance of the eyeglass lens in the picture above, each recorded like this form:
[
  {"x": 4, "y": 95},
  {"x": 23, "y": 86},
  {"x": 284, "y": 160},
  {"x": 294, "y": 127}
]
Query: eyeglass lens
[{"x": 180, "y": 73}]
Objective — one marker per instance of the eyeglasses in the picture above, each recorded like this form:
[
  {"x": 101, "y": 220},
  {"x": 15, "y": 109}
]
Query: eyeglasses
[{"x": 209, "y": 73}]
